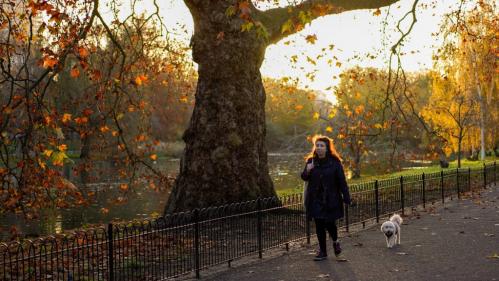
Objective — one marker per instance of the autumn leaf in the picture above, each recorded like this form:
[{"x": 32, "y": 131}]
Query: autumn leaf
[
  {"x": 183, "y": 99},
  {"x": 140, "y": 79},
  {"x": 316, "y": 115},
  {"x": 82, "y": 52},
  {"x": 66, "y": 117},
  {"x": 338, "y": 64},
  {"x": 62, "y": 147},
  {"x": 47, "y": 152},
  {"x": 377, "y": 12},
  {"x": 49, "y": 62},
  {"x": 104, "y": 129},
  {"x": 124, "y": 187},
  {"x": 153, "y": 157},
  {"x": 81, "y": 120},
  {"x": 299, "y": 107},
  {"x": 75, "y": 72},
  {"x": 329, "y": 129},
  {"x": 311, "y": 39},
  {"x": 247, "y": 26},
  {"x": 58, "y": 158},
  {"x": 104, "y": 210}
]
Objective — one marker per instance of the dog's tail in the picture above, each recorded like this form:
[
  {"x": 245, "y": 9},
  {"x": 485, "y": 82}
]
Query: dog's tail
[{"x": 396, "y": 218}]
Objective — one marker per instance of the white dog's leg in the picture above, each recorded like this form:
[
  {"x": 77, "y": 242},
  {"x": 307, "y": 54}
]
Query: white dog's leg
[{"x": 398, "y": 237}]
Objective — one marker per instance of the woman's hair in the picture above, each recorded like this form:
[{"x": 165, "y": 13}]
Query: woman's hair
[{"x": 330, "y": 149}]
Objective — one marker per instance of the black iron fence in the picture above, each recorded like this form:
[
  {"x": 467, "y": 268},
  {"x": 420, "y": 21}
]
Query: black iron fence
[{"x": 188, "y": 242}]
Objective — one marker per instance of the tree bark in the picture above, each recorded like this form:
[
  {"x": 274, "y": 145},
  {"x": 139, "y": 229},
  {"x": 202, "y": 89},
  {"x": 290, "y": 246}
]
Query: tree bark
[{"x": 225, "y": 158}]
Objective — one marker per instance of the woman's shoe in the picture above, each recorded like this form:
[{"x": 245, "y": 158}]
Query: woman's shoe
[
  {"x": 320, "y": 257},
  {"x": 337, "y": 248}
]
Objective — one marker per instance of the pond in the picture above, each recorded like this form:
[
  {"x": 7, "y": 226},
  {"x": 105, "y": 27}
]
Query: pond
[{"x": 141, "y": 202}]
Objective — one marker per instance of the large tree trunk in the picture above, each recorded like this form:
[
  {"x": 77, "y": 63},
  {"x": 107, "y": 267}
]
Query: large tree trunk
[{"x": 225, "y": 158}]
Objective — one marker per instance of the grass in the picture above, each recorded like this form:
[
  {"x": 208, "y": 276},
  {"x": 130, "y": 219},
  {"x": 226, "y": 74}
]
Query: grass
[{"x": 465, "y": 164}]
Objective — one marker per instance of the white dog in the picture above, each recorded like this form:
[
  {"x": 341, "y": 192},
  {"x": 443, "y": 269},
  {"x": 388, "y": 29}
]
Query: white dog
[{"x": 391, "y": 229}]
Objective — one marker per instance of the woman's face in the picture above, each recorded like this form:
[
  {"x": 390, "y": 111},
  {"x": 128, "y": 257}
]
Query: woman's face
[{"x": 320, "y": 149}]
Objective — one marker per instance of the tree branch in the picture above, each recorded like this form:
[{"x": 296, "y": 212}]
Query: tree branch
[{"x": 276, "y": 20}]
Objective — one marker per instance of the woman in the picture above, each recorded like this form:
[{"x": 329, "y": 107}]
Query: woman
[{"x": 326, "y": 192}]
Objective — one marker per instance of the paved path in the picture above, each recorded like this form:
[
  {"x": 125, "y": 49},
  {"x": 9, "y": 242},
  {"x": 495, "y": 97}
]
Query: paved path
[{"x": 457, "y": 241}]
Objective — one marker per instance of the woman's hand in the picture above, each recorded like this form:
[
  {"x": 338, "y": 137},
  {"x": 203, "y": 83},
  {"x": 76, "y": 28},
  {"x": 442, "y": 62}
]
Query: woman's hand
[{"x": 310, "y": 166}]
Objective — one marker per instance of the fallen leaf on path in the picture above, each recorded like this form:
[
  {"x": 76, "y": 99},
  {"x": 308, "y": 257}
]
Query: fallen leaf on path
[
  {"x": 489, "y": 234},
  {"x": 358, "y": 244},
  {"x": 493, "y": 256},
  {"x": 341, "y": 260},
  {"x": 401, "y": 253},
  {"x": 323, "y": 275}
]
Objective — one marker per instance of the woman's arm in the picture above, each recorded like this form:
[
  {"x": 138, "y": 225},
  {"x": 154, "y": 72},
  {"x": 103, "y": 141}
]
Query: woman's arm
[{"x": 340, "y": 174}]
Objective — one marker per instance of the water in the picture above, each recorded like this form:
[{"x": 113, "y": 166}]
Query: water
[{"x": 140, "y": 202}]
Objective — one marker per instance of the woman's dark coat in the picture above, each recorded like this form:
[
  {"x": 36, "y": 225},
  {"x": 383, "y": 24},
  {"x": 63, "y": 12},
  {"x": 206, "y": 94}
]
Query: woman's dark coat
[{"x": 327, "y": 189}]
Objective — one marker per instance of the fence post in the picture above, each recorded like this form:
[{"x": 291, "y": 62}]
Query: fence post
[
  {"x": 424, "y": 192},
  {"x": 196, "y": 243},
  {"x": 442, "y": 185},
  {"x": 110, "y": 251},
  {"x": 484, "y": 176},
  {"x": 495, "y": 174},
  {"x": 307, "y": 226},
  {"x": 469, "y": 179},
  {"x": 457, "y": 182},
  {"x": 402, "y": 199},
  {"x": 259, "y": 227},
  {"x": 346, "y": 217},
  {"x": 376, "y": 194}
]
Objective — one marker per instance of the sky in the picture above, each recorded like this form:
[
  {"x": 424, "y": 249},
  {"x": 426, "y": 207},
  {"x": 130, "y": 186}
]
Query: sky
[{"x": 354, "y": 34}]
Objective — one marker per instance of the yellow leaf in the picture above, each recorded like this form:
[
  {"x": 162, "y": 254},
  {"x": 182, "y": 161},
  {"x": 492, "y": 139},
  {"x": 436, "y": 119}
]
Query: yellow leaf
[
  {"x": 66, "y": 117},
  {"x": 338, "y": 64},
  {"x": 316, "y": 115},
  {"x": 311, "y": 38},
  {"x": 329, "y": 129},
  {"x": 58, "y": 158},
  {"x": 183, "y": 99},
  {"x": 378, "y": 126},
  {"x": 47, "y": 152}
]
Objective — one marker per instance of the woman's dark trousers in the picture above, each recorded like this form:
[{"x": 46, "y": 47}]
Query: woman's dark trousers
[{"x": 321, "y": 225}]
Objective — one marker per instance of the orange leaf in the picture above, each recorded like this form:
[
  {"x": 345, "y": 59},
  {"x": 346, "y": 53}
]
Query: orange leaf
[
  {"x": 66, "y": 117},
  {"x": 140, "y": 79},
  {"x": 83, "y": 52},
  {"x": 153, "y": 156},
  {"x": 299, "y": 107},
  {"x": 62, "y": 147},
  {"x": 104, "y": 210},
  {"x": 75, "y": 72},
  {"x": 104, "y": 129},
  {"x": 81, "y": 120},
  {"x": 124, "y": 187},
  {"x": 377, "y": 12},
  {"x": 49, "y": 62}
]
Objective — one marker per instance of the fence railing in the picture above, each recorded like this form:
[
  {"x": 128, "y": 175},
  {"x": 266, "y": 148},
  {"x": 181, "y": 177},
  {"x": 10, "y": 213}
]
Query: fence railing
[{"x": 188, "y": 242}]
